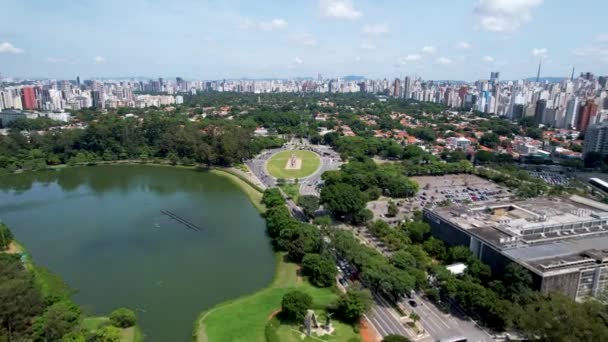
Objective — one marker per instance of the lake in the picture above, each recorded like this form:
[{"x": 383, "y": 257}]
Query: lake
[{"x": 102, "y": 231}]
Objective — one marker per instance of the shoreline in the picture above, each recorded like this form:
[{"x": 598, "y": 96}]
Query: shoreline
[{"x": 252, "y": 191}]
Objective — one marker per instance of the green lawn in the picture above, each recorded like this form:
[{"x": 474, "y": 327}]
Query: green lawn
[
  {"x": 276, "y": 164},
  {"x": 277, "y": 332},
  {"x": 245, "y": 319}
]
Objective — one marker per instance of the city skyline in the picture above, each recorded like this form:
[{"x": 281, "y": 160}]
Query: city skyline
[{"x": 463, "y": 40}]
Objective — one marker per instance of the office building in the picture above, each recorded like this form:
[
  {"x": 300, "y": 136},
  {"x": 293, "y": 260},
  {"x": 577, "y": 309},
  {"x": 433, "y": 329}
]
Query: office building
[
  {"x": 596, "y": 139},
  {"x": 562, "y": 242}
]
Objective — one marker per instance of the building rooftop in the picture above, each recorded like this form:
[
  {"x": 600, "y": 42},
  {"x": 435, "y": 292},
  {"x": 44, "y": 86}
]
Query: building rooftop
[{"x": 545, "y": 233}]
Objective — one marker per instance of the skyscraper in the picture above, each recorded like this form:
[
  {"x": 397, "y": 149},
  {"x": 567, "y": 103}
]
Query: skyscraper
[
  {"x": 78, "y": 81},
  {"x": 571, "y": 116},
  {"x": 539, "y": 112},
  {"x": 98, "y": 100},
  {"x": 407, "y": 86},
  {"x": 397, "y": 88},
  {"x": 28, "y": 98},
  {"x": 585, "y": 113}
]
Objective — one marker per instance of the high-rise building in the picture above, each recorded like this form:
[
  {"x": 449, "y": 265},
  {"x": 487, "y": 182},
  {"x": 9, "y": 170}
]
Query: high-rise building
[
  {"x": 518, "y": 112},
  {"x": 570, "y": 119},
  {"x": 596, "y": 138},
  {"x": 397, "y": 88},
  {"x": 585, "y": 113},
  {"x": 28, "y": 98},
  {"x": 539, "y": 112},
  {"x": 78, "y": 81},
  {"x": 98, "y": 99},
  {"x": 407, "y": 87}
]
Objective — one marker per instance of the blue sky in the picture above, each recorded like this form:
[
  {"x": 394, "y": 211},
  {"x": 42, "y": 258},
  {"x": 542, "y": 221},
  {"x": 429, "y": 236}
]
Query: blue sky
[{"x": 434, "y": 39}]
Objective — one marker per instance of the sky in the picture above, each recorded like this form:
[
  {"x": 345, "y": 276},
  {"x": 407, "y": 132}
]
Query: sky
[{"x": 215, "y": 39}]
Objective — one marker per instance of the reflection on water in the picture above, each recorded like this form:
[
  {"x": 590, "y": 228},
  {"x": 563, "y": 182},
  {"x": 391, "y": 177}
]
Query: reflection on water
[{"x": 101, "y": 229}]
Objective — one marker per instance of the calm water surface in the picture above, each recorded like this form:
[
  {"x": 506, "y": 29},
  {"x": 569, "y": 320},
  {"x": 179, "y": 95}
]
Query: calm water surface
[{"x": 101, "y": 229}]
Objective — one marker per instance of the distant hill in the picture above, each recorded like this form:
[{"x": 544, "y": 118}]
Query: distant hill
[
  {"x": 354, "y": 78},
  {"x": 548, "y": 79},
  {"x": 450, "y": 81}
]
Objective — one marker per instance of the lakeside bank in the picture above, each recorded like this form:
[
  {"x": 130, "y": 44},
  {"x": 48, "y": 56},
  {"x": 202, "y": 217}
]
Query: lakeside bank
[
  {"x": 133, "y": 195},
  {"x": 55, "y": 291},
  {"x": 253, "y": 191}
]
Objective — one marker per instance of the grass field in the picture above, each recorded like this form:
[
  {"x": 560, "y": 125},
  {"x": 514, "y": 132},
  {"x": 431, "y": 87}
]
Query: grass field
[
  {"x": 254, "y": 194},
  {"x": 276, "y": 164},
  {"x": 245, "y": 319}
]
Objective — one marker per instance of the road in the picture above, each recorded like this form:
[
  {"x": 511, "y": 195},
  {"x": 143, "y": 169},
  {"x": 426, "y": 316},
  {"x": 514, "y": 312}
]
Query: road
[
  {"x": 442, "y": 325},
  {"x": 386, "y": 320}
]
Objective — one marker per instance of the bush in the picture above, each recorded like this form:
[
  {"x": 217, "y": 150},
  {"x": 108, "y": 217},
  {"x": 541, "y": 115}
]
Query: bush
[
  {"x": 123, "y": 318},
  {"x": 106, "y": 334},
  {"x": 5, "y": 237}
]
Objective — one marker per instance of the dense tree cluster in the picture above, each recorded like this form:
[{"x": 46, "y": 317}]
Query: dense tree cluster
[
  {"x": 375, "y": 271},
  {"x": 112, "y": 137},
  {"x": 351, "y": 306},
  {"x": 294, "y": 306}
]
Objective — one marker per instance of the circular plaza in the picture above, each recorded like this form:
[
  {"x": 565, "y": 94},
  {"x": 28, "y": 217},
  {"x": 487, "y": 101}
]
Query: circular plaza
[{"x": 293, "y": 164}]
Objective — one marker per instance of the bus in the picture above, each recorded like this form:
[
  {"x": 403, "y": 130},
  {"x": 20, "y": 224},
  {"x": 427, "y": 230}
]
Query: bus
[{"x": 454, "y": 339}]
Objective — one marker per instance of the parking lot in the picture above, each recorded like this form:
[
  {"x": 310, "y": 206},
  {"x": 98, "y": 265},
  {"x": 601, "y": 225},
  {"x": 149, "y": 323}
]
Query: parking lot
[
  {"x": 552, "y": 178},
  {"x": 439, "y": 191}
]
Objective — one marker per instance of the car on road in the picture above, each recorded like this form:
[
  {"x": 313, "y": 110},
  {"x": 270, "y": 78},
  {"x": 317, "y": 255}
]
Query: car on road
[{"x": 413, "y": 303}]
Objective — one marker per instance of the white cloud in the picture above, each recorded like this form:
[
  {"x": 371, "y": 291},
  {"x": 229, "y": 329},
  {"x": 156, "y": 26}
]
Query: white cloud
[
  {"x": 367, "y": 46},
  {"x": 303, "y": 39},
  {"x": 504, "y": 15},
  {"x": 539, "y": 52},
  {"x": 488, "y": 59},
  {"x": 377, "y": 29},
  {"x": 339, "y": 9},
  {"x": 463, "y": 45},
  {"x": 7, "y": 47},
  {"x": 601, "y": 38},
  {"x": 429, "y": 49},
  {"x": 55, "y": 60},
  {"x": 99, "y": 60},
  {"x": 274, "y": 24},
  {"x": 597, "y": 51},
  {"x": 444, "y": 61},
  {"x": 413, "y": 57},
  {"x": 298, "y": 60}
]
